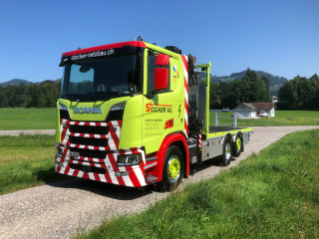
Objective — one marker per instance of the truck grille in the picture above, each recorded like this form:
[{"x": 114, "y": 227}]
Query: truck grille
[
  {"x": 88, "y": 129},
  {"x": 88, "y": 141},
  {"x": 91, "y": 139}
]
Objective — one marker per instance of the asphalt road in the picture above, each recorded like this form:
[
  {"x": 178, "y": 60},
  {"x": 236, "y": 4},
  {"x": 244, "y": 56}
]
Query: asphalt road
[{"x": 58, "y": 209}]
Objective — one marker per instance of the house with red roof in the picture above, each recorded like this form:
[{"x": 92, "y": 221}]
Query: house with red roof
[{"x": 253, "y": 110}]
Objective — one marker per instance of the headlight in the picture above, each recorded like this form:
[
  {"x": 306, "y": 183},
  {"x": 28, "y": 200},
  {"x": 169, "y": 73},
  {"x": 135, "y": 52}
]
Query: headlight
[
  {"x": 63, "y": 107},
  {"x": 119, "y": 106},
  {"x": 126, "y": 160}
]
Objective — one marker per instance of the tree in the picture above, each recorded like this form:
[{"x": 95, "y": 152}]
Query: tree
[{"x": 3, "y": 98}]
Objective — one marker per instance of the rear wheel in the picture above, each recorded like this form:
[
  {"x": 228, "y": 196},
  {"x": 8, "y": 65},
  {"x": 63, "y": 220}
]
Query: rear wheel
[
  {"x": 173, "y": 170},
  {"x": 227, "y": 152},
  {"x": 237, "y": 146}
]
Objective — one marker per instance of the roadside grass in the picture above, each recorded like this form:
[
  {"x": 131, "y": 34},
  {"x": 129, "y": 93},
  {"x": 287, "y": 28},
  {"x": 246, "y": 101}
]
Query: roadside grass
[
  {"x": 27, "y": 118},
  {"x": 282, "y": 118},
  {"x": 26, "y": 161},
  {"x": 271, "y": 195}
]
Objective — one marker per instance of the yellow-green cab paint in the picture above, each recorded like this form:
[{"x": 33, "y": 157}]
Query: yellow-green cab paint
[
  {"x": 144, "y": 119},
  {"x": 163, "y": 107},
  {"x": 105, "y": 107},
  {"x": 57, "y": 123}
]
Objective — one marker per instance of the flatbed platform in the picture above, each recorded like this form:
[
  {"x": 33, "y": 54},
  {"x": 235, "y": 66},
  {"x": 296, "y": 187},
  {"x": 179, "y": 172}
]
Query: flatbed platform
[{"x": 213, "y": 129}]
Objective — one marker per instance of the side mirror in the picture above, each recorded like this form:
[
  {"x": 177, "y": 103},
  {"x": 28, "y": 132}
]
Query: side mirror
[
  {"x": 161, "y": 74},
  {"x": 161, "y": 79}
]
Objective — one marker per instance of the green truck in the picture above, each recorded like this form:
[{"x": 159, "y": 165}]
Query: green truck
[{"x": 135, "y": 114}]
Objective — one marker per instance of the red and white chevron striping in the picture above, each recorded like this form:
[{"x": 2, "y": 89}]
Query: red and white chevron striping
[
  {"x": 135, "y": 178},
  {"x": 113, "y": 136},
  {"x": 185, "y": 68}
]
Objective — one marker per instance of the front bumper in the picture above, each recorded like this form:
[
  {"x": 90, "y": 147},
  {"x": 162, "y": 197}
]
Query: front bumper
[{"x": 104, "y": 170}]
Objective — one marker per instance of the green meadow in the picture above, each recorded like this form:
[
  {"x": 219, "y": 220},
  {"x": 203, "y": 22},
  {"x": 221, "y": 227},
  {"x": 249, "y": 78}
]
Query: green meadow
[
  {"x": 271, "y": 195},
  {"x": 27, "y": 118},
  {"x": 27, "y": 161},
  {"x": 44, "y": 118}
]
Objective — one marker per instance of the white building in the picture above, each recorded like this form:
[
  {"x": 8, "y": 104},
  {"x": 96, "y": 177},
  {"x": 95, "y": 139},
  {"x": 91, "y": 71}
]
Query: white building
[{"x": 252, "y": 110}]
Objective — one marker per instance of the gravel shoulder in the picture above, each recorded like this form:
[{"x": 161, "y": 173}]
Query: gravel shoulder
[
  {"x": 56, "y": 210},
  {"x": 27, "y": 132}
]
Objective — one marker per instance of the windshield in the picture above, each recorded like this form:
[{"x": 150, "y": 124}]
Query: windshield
[{"x": 107, "y": 77}]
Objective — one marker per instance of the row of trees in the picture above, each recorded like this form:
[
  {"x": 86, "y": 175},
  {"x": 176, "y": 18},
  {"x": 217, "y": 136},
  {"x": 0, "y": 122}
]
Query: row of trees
[
  {"x": 296, "y": 94},
  {"x": 249, "y": 89},
  {"x": 300, "y": 93},
  {"x": 44, "y": 94}
]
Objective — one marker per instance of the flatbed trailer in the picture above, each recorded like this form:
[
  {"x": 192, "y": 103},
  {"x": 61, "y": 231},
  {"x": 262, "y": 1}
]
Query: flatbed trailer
[{"x": 135, "y": 114}]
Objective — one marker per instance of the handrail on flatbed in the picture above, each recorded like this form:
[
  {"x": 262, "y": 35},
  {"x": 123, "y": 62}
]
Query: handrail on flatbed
[{"x": 234, "y": 116}]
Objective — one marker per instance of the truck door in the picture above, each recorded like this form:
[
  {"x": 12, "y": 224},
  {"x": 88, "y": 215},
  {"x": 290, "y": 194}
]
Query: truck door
[{"x": 160, "y": 110}]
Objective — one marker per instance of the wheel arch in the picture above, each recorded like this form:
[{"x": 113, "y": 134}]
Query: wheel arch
[{"x": 179, "y": 140}]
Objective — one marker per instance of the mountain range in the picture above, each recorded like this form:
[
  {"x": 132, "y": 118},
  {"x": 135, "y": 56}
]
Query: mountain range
[
  {"x": 17, "y": 82},
  {"x": 275, "y": 81}
]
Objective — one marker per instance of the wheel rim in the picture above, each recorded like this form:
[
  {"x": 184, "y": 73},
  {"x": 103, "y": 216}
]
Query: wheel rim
[
  {"x": 238, "y": 145},
  {"x": 173, "y": 168},
  {"x": 227, "y": 151}
]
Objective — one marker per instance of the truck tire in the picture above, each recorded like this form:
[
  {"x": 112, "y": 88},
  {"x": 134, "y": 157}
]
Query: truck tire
[
  {"x": 237, "y": 146},
  {"x": 173, "y": 170},
  {"x": 226, "y": 157}
]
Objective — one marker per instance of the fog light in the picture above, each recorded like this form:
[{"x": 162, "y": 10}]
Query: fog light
[{"x": 121, "y": 174}]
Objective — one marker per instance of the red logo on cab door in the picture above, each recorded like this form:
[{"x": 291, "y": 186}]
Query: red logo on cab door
[{"x": 150, "y": 107}]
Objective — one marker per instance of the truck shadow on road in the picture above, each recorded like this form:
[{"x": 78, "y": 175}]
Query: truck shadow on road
[{"x": 115, "y": 191}]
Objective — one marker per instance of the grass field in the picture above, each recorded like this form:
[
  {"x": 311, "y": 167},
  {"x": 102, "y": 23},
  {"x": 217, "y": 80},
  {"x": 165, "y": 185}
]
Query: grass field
[
  {"x": 26, "y": 161},
  {"x": 282, "y": 118},
  {"x": 22, "y": 118},
  {"x": 271, "y": 195}
]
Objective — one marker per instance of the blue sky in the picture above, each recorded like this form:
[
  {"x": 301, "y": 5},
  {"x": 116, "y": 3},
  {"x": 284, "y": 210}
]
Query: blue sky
[{"x": 277, "y": 36}]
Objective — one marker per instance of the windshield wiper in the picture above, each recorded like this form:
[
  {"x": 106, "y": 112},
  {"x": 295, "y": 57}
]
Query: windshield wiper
[
  {"x": 72, "y": 94},
  {"x": 104, "y": 92}
]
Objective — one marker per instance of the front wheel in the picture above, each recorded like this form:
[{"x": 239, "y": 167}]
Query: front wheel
[{"x": 173, "y": 170}]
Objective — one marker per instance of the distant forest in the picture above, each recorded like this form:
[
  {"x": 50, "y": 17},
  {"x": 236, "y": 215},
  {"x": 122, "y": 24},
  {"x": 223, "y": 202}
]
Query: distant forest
[
  {"x": 275, "y": 82},
  {"x": 300, "y": 93},
  {"x": 44, "y": 94}
]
